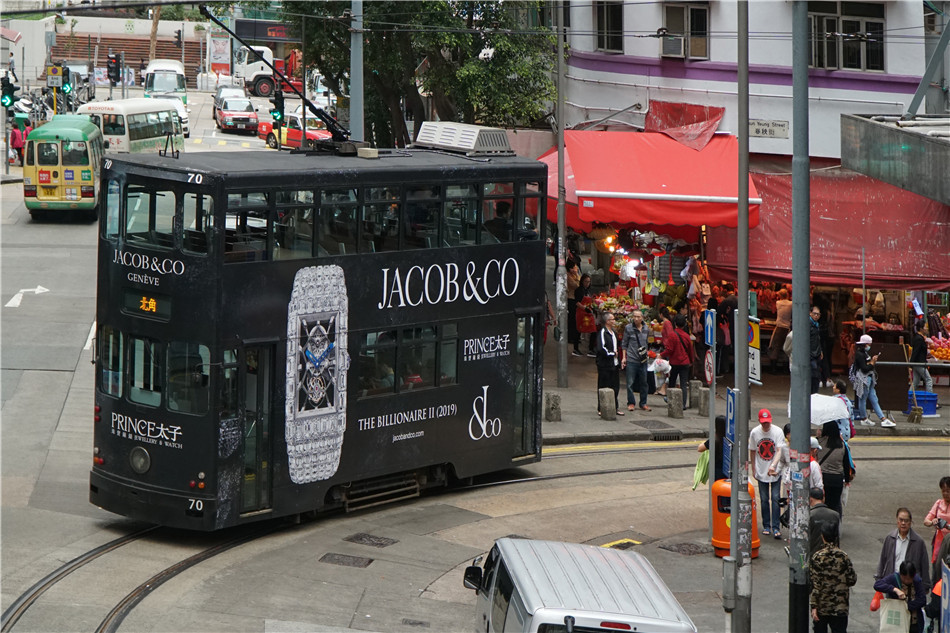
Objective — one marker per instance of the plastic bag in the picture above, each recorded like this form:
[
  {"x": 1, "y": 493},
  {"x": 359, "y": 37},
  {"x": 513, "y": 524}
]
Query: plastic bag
[{"x": 701, "y": 474}]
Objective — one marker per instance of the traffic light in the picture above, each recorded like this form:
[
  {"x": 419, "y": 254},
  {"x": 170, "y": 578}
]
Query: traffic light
[
  {"x": 277, "y": 113},
  {"x": 67, "y": 81},
  {"x": 178, "y": 41},
  {"x": 9, "y": 88},
  {"x": 112, "y": 69}
]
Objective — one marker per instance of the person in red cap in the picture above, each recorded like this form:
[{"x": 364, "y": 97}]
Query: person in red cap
[{"x": 765, "y": 441}]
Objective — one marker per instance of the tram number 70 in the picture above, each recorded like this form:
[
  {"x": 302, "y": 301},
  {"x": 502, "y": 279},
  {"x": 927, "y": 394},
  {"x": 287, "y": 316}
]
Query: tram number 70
[{"x": 196, "y": 508}]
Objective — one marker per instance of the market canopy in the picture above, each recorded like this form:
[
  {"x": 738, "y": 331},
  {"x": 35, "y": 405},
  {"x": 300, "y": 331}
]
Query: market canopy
[
  {"x": 861, "y": 229},
  {"x": 648, "y": 181}
]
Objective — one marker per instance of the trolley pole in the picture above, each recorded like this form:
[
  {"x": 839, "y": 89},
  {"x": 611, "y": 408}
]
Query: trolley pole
[
  {"x": 740, "y": 544},
  {"x": 800, "y": 399},
  {"x": 356, "y": 71},
  {"x": 560, "y": 269}
]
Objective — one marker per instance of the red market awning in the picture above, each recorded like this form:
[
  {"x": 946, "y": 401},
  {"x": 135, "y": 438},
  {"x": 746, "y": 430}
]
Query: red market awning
[
  {"x": 648, "y": 181},
  {"x": 905, "y": 237}
]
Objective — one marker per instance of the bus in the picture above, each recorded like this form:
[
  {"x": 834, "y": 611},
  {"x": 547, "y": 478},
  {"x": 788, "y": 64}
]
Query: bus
[
  {"x": 62, "y": 165},
  {"x": 281, "y": 333},
  {"x": 164, "y": 76},
  {"x": 136, "y": 125}
]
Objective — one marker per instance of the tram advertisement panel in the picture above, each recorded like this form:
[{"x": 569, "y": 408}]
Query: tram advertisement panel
[{"x": 408, "y": 359}]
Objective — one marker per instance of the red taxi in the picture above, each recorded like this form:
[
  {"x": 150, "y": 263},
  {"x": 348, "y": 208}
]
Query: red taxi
[
  {"x": 291, "y": 131},
  {"x": 236, "y": 113}
]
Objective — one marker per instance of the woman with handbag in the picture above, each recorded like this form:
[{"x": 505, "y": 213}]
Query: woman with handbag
[
  {"x": 584, "y": 316},
  {"x": 573, "y": 281}
]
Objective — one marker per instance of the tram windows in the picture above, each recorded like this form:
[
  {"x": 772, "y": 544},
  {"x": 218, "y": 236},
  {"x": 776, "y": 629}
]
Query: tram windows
[
  {"x": 146, "y": 375},
  {"x": 294, "y": 230},
  {"x": 228, "y": 402},
  {"x": 188, "y": 377},
  {"x": 111, "y": 361},
  {"x": 417, "y": 358},
  {"x": 421, "y": 224},
  {"x": 150, "y": 216},
  {"x": 460, "y": 216},
  {"x": 497, "y": 224},
  {"x": 246, "y": 235},
  {"x": 113, "y": 200},
  {"x": 338, "y": 221},
  {"x": 449, "y": 363},
  {"x": 198, "y": 220},
  {"x": 294, "y": 233},
  {"x": 380, "y": 228}
]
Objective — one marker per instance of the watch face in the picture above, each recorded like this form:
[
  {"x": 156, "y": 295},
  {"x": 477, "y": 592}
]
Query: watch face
[{"x": 317, "y": 355}]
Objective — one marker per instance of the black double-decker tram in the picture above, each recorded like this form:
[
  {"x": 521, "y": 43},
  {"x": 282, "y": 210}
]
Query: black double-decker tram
[{"x": 283, "y": 333}]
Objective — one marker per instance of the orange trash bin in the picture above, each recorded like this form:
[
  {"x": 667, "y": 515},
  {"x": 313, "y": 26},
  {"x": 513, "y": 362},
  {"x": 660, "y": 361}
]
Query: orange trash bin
[{"x": 722, "y": 501}]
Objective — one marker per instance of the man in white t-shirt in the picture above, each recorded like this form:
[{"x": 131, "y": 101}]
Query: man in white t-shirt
[{"x": 765, "y": 441}]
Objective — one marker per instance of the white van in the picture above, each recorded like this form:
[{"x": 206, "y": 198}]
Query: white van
[
  {"x": 549, "y": 587},
  {"x": 166, "y": 76},
  {"x": 137, "y": 125}
]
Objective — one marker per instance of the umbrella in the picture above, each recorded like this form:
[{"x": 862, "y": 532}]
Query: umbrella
[{"x": 825, "y": 409}]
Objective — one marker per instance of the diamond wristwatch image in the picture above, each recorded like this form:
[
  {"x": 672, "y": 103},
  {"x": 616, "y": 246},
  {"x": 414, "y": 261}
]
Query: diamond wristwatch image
[{"x": 317, "y": 364}]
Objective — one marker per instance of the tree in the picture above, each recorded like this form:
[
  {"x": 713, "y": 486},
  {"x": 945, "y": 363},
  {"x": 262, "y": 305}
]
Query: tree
[
  {"x": 156, "y": 14},
  {"x": 475, "y": 62}
]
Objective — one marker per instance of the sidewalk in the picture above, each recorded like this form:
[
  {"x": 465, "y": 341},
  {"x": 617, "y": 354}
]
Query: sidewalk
[{"x": 580, "y": 422}]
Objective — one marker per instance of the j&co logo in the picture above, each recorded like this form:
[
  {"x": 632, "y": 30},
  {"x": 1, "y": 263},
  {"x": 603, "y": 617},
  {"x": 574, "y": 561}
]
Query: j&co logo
[{"x": 480, "y": 425}]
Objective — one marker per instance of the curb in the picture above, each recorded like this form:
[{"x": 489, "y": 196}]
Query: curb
[
  {"x": 560, "y": 439},
  {"x": 10, "y": 180}
]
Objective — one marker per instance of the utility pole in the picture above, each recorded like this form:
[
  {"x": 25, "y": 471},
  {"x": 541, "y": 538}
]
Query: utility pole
[
  {"x": 800, "y": 399},
  {"x": 740, "y": 542},
  {"x": 560, "y": 270},
  {"x": 356, "y": 71}
]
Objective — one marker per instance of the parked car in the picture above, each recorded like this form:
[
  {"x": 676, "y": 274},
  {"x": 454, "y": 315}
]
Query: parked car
[
  {"x": 222, "y": 93},
  {"x": 180, "y": 107},
  {"x": 237, "y": 113},
  {"x": 292, "y": 131}
]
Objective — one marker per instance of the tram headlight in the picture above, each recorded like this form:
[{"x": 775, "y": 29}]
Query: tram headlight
[{"x": 139, "y": 460}]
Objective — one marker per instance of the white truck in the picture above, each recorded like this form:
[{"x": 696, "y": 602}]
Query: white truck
[{"x": 257, "y": 76}]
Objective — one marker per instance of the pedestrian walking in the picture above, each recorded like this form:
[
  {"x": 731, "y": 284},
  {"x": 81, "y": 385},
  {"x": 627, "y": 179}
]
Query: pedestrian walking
[
  {"x": 832, "y": 577},
  {"x": 831, "y": 460},
  {"x": 764, "y": 441},
  {"x": 783, "y": 325},
  {"x": 939, "y": 518},
  {"x": 678, "y": 349},
  {"x": 903, "y": 544},
  {"x": 864, "y": 379},
  {"x": 906, "y": 584},
  {"x": 142, "y": 66},
  {"x": 16, "y": 143},
  {"x": 608, "y": 361},
  {"x": 583, "y": 292},
  {"x": 720, "y": 426},
  {"x": 814, "y": 347},
  {"x": 918, "y": 354},
  {"x": 573, "y": 281},
  {"x": 820, "y": 515},
  {"x": 635, "y": 361},
  {"x": 11, "y": 66}
]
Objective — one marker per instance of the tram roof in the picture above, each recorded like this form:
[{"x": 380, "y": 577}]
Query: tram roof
[{"x": 258, "y": 165}]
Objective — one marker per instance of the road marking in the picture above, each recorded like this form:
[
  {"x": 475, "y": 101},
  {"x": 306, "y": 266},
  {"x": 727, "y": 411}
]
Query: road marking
[
  {"x": 18, "y": 297},
  {"x": 92, "y": 333},
  {"x": 622, "y": 541},
  {"x": 245, "y": 144},
  {"x": 580, "y": 448},
  {"x": 197, "y": 140},
  {"x": 222, "y": 142}
]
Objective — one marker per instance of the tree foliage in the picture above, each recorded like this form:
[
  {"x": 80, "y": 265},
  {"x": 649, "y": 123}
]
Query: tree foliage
[{"x": 467, "y": 61}]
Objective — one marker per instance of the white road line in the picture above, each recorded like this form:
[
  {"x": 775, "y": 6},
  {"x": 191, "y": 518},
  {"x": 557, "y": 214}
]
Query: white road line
[
  {"x": 92, "y": 333},
  {"x": 15, "y": 301}
]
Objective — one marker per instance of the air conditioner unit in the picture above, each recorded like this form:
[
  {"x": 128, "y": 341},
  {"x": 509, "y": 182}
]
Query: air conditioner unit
[
  {"x": 472, "y": 140},
  {"x": 673, "y": 46}
]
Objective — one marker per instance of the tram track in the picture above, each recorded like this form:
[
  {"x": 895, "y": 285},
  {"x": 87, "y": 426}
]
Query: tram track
[{"x": 127, "y": 604}]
